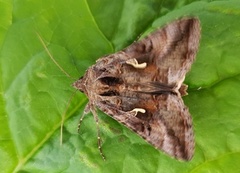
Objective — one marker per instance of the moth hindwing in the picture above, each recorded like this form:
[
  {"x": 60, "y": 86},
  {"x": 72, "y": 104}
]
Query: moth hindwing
[{"x": 142, "y": 85}]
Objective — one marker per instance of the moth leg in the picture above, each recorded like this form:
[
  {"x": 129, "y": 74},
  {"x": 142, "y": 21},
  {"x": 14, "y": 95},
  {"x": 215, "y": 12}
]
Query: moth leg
[
  {"x": 136, "y": 110},
  {"x": 98, "y": 132},
  {"x": 133, "y": 62},
  {"x": 86, "y": 111}
]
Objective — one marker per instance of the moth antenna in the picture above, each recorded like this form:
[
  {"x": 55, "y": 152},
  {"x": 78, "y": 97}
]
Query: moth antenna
[
  {"x": 63, "y": 116},
  {"x": 50, "y": 55},
  {"x": 98, "y": 133},
  {"x": 73, "y": 94}
]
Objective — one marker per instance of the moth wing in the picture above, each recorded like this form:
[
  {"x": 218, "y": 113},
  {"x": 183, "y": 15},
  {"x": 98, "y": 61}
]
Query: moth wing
[
  {"x": 169, "y": 51},
  {"x": 166, "y": 124}
]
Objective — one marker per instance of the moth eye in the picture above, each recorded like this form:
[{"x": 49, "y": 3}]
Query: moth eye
[{"x": 111, "y": 81}]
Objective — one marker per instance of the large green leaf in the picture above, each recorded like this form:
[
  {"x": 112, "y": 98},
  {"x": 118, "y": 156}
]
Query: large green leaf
[
  {"x": 8, "y": 154},
  {"x": 35, "y": 93}
]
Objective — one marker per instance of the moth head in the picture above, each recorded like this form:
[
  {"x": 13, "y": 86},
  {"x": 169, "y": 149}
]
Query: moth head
[{"x": 80, "y": 84}]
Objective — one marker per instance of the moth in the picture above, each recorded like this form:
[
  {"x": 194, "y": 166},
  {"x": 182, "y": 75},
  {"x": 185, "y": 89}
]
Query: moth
[{"x": 142, "y": 86}]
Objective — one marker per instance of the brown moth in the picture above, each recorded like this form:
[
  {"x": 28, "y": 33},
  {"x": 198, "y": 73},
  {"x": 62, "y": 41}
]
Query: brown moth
[{"x": 141, "y": 87}]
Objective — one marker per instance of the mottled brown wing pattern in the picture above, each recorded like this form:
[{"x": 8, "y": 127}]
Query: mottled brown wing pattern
[
  {"x": 166, "y": 124},
  {"x": 171, "y": 49},
  {"x": 141, "y": 86}
]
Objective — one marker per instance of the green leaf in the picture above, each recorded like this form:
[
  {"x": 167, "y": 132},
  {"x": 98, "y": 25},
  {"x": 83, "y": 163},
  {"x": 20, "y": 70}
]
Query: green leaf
[{"x": 35, "y": 93}]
